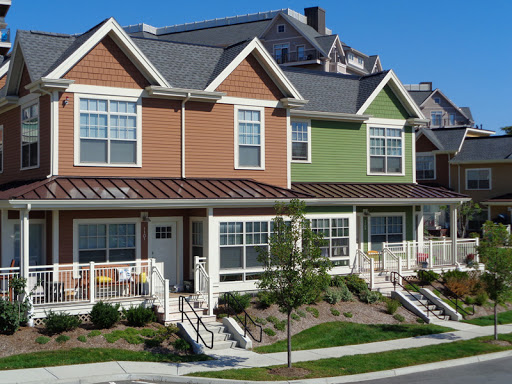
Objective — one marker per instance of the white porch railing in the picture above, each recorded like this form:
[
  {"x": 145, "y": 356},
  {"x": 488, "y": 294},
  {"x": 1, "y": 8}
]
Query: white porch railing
[
  {"x": 6, "y": 275},
  {"x": 366, "y": 267},
  {"x": 202, "y": 282},
  {"x": 437, "y": 253},
  {"x": 160, "y": 288}
]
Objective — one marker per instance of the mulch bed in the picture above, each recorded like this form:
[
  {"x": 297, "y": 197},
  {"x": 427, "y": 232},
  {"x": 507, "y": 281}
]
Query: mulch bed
[{"x": 289, "y": 372}]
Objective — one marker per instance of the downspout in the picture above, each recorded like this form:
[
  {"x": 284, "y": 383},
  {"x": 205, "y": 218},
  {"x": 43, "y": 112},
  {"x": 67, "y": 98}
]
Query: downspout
[
  {"x": 183, "y": 134},
  {"x": 52, "y": 119}
]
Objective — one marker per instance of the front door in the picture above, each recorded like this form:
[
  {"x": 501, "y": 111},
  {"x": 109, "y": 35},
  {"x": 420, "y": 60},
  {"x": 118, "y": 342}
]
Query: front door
[{"x": 163, "y": 248}]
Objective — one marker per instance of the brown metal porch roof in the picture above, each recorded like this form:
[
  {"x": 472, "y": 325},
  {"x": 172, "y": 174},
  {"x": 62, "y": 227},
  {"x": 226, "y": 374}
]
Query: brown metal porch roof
[
  {"x": 374, "y": 191},
  {"x": 507, "y": 198},
  {"x": 126, "y": 188}
]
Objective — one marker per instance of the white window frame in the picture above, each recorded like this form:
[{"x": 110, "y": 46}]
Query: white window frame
[
  {"x": 352, "y": 244},
  {"x": 479, "y": 169},
  {"x": 308, "y": 122},
  {"x": 261, "y": 110},
  {"x": 436, "y": 113},
  {"x": 435, "y": 166},
  {"x": 77, "y": 222},
  {"x": 396, "y": 125},
  {"x": 2, "y": 148},
  {"x": 281, "y": 25},
  {"x": 28, "y": 105},
  {"x": 386, "y": 214},
  {"x": 204, "y": 221},
  {"x": 137, "y": 100}
]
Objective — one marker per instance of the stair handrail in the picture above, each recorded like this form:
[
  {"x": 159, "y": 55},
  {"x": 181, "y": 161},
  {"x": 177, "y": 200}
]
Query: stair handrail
[
  {"x": 398, "y": 259},
  {"x": 163, "y": 298},
  {"x": 457, "y": 297},
  {"x": 202, "y": 279},
  {"x": 199, "y": 322},
  {"x": 366, "y": 267},
  {"x": 396, "y": 278},
  {"x": 227, "y": 297}
]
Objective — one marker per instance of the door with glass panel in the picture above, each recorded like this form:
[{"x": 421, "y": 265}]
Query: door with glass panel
[{"x": 162, "y": 247}]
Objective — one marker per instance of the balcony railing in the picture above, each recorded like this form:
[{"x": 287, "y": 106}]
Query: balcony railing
[{"x": 293, "y": 57}]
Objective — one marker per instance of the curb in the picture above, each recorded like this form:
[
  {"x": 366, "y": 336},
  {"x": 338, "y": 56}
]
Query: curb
[{"x": 324, "y": 380}]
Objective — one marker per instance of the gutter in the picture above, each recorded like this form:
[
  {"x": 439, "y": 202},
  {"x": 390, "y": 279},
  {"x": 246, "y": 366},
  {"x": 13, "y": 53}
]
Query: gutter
[
  {"x": 351, "y": 117},
  {"x": 182, "y": 93}
]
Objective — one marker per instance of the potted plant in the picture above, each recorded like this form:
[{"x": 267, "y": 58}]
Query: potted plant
[{"x": 470, "y": 259}]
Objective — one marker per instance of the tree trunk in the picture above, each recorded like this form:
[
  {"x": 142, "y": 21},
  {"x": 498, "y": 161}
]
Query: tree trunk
[
  {"x": 495, "y": 320},
  {"x": 289, "y": 339}
]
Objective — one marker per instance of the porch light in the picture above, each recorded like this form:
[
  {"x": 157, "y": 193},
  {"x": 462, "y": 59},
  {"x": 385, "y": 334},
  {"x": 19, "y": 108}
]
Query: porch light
[
  {"x": 145, "y": 217},
  {"x": 366, "y": 212}
]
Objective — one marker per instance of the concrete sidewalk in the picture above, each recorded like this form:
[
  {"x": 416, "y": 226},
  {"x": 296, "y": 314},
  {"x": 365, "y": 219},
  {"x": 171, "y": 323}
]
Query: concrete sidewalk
[{"x": 231, "y": 358}]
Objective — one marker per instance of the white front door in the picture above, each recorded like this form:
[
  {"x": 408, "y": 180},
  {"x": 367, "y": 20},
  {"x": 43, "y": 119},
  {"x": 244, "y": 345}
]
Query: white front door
[{"x": 163, "y": 247}]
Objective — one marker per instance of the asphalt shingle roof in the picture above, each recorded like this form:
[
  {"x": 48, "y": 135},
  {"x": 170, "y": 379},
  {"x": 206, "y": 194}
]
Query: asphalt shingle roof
[
  {"x": 326, "y": 42},
  {"x": 420, "y": 96},
  {"x": 485, "y": 149},
  {"x": 467, "y": 111},
  {"x": 445, "y": 139},
  {"x": 329, "y": 92}
]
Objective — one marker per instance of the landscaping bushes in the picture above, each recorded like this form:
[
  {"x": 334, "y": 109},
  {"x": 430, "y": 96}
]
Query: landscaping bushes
[
  {"x": 338, "y": 293},
  {"x": 355, "y": 284},
  {"x": 370, "y": 297},
  {"x": 243, "y": 301},
  {"x": 105, "y": 315},
  {"x": 139, "y": 316},
  {"x": 392, "y": 306},
  {"x": 265, "y": 299},
  {"x": 58, "y": 322},
  {"x": 10, "y": 317}
]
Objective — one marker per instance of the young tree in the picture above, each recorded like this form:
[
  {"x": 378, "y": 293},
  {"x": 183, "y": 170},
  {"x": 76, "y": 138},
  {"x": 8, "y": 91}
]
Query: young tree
[
  {"x": 507, "y": 130},
  {"x": 295, "y": 272},
  {"x": 466, "y": 212},
  {"x": 497, "y": 257}
]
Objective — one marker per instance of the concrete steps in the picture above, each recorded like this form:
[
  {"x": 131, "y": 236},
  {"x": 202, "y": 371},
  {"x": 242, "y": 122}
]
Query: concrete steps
[{"x": 222, "y": 339}]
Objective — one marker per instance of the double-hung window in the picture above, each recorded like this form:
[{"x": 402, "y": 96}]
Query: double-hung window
[
  {"x": 335, "y": 232},
  {"x": 425, "y": 167},
  {"x": 478, "y": 178},
  {"x": 436, "y": 118},
  {"x": 250, "y": 133},
  {"x": 106, "y": 242},
  {"x": 301, "y": 142},
  {"x": 30, "y": 136},
  {"x": 281, "y": 52},
  {"x": 386, "y": 229},
  {"x": 108, "y": 132},
  {"x": 386, "y": 150}
]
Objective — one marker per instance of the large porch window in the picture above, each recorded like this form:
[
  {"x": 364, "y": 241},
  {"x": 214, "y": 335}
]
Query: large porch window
[
  {"x": 336, "y": 234},
  {"x": 386, "y": 229},
  {"x": 106, "y": 242}
]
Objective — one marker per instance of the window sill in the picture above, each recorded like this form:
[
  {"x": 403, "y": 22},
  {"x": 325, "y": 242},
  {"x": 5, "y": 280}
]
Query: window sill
[
  {"x": 108, "y": 165},
  {"x": 301, "y": 161},
  {"x": 385, "y": 174},
  {"x": 250, "y": 168},
  {"x": 29, "y": 168}
]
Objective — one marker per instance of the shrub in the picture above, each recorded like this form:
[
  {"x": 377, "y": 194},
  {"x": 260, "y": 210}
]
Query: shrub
[
  {"x": 181, "y": 345},
  {"x": 313, "y": 311},
  {"x": 261, "y": 321},
  {"x": 272, "y": 319},
  {"x": 42, "y": 340},
  {"x": 280, "y": 325},
  {"x": 243, "y": 301},
  {"x": 10, "y": 317},
  {"x": 152, "y": 343},
  {"x": 82, "y": 338},
  {"x": 58, "y": 322},
  {"x": 355, "y": 284},
  {"x": 61, "y": 339},
  {"x": 94, "y": 333},
  {"x": 337, "y": 281},
  {"x": 392, "y": 306},
  {"x": 419, "y": 320},
  {"x": 427, "y": 276},
  {"x": 148, "y": 332},
  {"x": 222, "y": 315},
  {"x": 335, "y": 312},
  {"x": 481, "y": 299},
  {"x": 265, "y": 299},
  {"x": 139, "y": 316},
  {"x": 470, "y": 300},
  {"x": 411, "y": 287},
  {"x": 295, "y": 317},
  {"x": 346, "y": 295},
  {"x": 370, "y": 297},
  {"x": 332, "y": 295},
  {"x": 348, "y": 314},
  {"x": 269, "y": 331},
  {"x": 104, "y": 315},
  {"x": 398, "y": 317},
  {"x": 130, "y": 335},
  {"x": 301, "y": 313}
]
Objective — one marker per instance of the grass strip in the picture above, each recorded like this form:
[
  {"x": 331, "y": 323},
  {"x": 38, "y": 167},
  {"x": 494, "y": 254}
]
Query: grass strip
[
  {"x": 503, "y": 318},
  {"x": 337, "y": 333},
  {"x": 89, "y": 355},
  {"x": 373, "y": 362}
]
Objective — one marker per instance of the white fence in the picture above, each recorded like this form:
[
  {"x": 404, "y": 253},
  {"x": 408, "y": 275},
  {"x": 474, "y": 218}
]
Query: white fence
[
  {"x": 6, "y": 275},
  {"x": 366, "y": 268}
]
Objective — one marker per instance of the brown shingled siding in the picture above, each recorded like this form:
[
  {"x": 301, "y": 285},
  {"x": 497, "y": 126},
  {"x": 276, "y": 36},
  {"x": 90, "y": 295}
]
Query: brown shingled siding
[
  {"x": 423, "y": 144},
  {"x": 3, "y": 79},
  {"x": 210, "y": 144},
  {"x": 107, "y": 65},
  {"x": 250, "y": 80},
  {"x": 161, "y": 143},
  {"x": 11, "y": 121},
  {"x": 25, "y": 80}
]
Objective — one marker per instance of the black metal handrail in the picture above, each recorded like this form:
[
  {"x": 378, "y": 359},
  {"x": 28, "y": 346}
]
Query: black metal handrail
[
  {"x": 395, "y": 277},
  {"x": 227, "y": 297},
  {"x": 457, "y": 297},
  {"x": 181, "y": 306}
]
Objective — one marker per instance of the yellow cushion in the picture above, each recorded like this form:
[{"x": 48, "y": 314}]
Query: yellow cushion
[
  {"x": 103, "y": 279},
  {"x": 143, "y": 278}
]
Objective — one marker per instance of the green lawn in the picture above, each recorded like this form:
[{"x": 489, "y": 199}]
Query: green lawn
[
  {"x": 89, "y": 355},
  {"x": 339, "y": 333},
  {"x": 351, "y": 365},
  {"x": 503, "y": 318}
]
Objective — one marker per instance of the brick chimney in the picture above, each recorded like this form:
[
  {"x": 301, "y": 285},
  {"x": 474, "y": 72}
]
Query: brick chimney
[{"x": 316, "y": 18}]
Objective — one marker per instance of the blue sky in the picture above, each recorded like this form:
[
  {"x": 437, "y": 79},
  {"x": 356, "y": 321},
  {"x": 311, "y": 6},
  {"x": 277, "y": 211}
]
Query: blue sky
[{"x": 463, "y": 47}]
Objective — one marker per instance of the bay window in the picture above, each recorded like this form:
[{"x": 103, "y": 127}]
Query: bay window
[
  {"x": 106, "y": 242},
  {"x": 109, "y": 132},
  {"x": 386, "y": 150},
  {"x": 250, "y": 131},
  {"x": 30, "y": 136}
]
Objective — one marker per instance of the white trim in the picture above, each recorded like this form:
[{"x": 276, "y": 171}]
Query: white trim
[
  {"x": 28, "y": 105},
  {"x": 437, "y": 90},
  {"x": 261, "y": 110},
  {"x": 368, "y": 168},
  {"x": 28, "y": 98},
  {"x": 309, "y": 133},
  {"x": 265, "y": 58},
  {"x": 204, "y": 221},
  {"x": 281, "y": 25},
  {"x": 3, "y": 70},
  {"x": 106, "y": 91},
  {"x": 317, "y": 115},
  {"x": 178, "y": 220},
  {"x": 55, "y": 132},
  {"x": 288, "y": 151},
  {"x": 6, "y": 240},
  {"x": 55, "y": 236},
  {"x": 395, "y": 84},
  {"x": 435, "y": 164},
  {"x": 128, "y": 220},
  {"x": 250, "y": 102},
  {"x": 477, "y": 169},
  {"x": 117, "y": 33},
  {"x": 138, "y": 101},
  {"x": 413, "y": 146},
  {"x": 387, "y": 214}
]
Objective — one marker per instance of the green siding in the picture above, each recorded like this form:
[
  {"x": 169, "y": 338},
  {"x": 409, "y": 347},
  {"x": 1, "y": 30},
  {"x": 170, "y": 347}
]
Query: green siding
[
  {"x": 409, "y": 220},
  {"x": 386, "y": 105},
  {"x": 338, "y": 154},
  {"x": 330, "y": 209}
]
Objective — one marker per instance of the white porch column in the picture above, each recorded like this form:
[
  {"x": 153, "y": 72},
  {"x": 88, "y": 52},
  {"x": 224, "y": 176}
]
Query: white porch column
[
  {"x": 453, "y": 231},
  {"x": 420, "y": 228},
  {"x": 212, "y": 260},
  {"x": 6, "y": 257},
  {"x": 55, "y": 236},
  {"x": 24, "y": 242}
]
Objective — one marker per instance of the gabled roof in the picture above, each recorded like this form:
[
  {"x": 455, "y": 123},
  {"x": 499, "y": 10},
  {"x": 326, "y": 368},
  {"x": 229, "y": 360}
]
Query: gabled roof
[
  {"x": 420, "y": 96},
  {"x": 445, "y": 139},
  {"x": 326, "y": 42},
  {"x": 331, "y": 92},
  {"x": 467, "y": 112},
  {"x": 437, "y": 90},
  {"x": 485, "y": 149}
]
